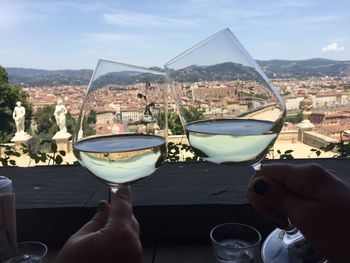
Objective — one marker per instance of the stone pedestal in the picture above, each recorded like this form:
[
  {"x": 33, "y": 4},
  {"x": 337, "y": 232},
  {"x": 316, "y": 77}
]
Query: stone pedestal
[
  {"x": 304, "y": 126},
  {"x": 62, "y": 141},
  {"x": 21, "y": 138}
]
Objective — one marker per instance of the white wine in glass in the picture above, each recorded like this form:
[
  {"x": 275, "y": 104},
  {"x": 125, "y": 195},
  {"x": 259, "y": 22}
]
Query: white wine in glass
[{"x": 121, "y": 131}]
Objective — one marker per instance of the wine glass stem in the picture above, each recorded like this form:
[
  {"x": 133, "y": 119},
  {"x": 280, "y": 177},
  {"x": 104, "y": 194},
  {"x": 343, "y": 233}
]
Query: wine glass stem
[{"x": 113, "y": 191}]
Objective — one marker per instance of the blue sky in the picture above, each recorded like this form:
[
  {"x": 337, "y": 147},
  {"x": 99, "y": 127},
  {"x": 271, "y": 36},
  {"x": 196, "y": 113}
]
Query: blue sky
[{"x": 75, "y": 34}]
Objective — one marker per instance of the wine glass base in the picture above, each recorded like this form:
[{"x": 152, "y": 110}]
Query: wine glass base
[{"x": 280, "y": 247}]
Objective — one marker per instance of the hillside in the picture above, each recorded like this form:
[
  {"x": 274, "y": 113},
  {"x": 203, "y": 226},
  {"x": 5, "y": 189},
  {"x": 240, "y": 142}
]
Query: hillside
[
  {"x": 39, "y": 77},
  {"x": 273, "y": 68},
  {"x": 316, "y": 67}
]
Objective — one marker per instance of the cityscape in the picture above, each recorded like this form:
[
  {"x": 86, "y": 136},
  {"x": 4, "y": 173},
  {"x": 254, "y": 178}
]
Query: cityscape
[{"x": 330, "y": 114}]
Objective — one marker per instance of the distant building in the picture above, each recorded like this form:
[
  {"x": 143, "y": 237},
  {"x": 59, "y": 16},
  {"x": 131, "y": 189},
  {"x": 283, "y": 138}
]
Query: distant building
[
  {"x": 103, "y": 118},
  {"x": 129, "y": 116}
]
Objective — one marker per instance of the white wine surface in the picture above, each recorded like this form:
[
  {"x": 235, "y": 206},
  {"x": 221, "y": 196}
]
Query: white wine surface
[
  {"x": 120, "y": 159},
  {"x": 234, "y": 141}
]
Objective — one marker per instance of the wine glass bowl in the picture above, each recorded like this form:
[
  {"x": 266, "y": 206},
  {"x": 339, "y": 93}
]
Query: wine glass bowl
[
  {"x": 231, "y": 112},
  {"x": 121, "y": 131}
]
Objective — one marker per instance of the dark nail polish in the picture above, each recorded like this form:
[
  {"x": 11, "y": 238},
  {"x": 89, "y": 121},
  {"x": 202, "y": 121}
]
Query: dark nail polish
[
  {"x": 260, "y": 187},
  {"x": 101, "y": 206}
]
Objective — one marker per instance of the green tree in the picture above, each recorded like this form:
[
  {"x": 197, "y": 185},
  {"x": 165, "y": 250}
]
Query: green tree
[
  {"x": 71, "y": 123},
  {"x": 3, "y": 75},
  {"x": 46, "y": 123},
  {"x": 47, "y": 128},
  {"x": 190, "y": 114},
  {"x": 295, "y": 119},
  {"x": 45, "y": 120},
  {"x": 9, "y": 95},
  {"x": 89, "y": 123}
]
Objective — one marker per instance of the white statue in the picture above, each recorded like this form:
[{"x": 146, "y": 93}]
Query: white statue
[
  {"x": 18, "y": 115},
  {"x": 60, "y": 116}
]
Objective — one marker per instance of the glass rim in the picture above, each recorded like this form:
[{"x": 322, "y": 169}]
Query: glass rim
[
  {"x": 236, "y": 224},
  {"x": 42, "y": 245},
  {"x": 76, "y": 144}
]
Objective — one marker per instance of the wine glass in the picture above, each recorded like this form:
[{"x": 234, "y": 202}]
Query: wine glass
[
  {"x": 121, "y": 131},
  {"x": 231, "y": 112}
]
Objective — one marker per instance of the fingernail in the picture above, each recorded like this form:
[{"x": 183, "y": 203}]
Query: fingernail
[
  {"x": 101, "y": 206},
  {"x": 260, "y": 187}
]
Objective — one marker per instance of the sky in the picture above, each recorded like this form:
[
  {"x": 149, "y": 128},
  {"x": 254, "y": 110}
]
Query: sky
[{"x": 51, "y": 34}]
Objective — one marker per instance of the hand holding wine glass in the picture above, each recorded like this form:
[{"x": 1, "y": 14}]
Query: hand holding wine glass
[
  {"x": 112, "y": 235},
  {"x": 316, "y": 200}
]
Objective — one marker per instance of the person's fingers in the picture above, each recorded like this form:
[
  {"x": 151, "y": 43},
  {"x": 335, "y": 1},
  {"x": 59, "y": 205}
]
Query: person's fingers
[
  {"x": 98, "y": 221},
  {"x": 266, "y": 212},
  {"x": 121, "y": 208},
  {"x": 274, "y": 202},
  {"x": 301, "y": 180},
  {"x": 135, "y": 225}
]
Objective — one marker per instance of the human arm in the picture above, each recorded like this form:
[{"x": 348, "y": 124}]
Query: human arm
[
  {"x": 314, "y": 199},
  {"x": 112, "y": 235}
]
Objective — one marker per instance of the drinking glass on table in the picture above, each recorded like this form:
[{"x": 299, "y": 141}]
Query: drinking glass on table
[
  {"x": 235, "y": 243},
  {"x": 25, "y": 252},
  {"x": 121, "y": 130}
]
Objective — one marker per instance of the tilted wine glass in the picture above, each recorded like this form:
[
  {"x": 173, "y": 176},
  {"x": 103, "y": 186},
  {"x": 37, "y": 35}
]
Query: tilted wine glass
[
  {"x": 231, "y": 112},
  {"x": 121, "y": 130}
]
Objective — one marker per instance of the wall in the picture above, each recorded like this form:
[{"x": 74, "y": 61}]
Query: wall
[{"x": 316, "y": 140}]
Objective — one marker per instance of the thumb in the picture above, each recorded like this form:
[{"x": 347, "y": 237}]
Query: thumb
[
  {"x": 98, "y": 221},
  {"x": 273, "y": 202}
]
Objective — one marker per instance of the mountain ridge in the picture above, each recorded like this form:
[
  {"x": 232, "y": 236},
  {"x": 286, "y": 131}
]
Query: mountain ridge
[{"x": 275, "y": 68}]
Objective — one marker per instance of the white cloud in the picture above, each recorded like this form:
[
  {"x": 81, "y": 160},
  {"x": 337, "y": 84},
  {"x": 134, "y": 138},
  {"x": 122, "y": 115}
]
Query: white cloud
[
  {"x": 140, "y": 19},
  {"x": 108, "y": 37},
  {"x": 332, "y": 47}
]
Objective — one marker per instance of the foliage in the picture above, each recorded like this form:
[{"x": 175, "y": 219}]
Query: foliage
[
  {"x": 174, "y": 149},
  {"x": 342, "y": 148},
  {"x": 9, "y": 95},
  {"x": 190, "y": 114},
  {"x": 55, "y": 157},
  {"x": 295, "y": 119},
  {"x": 286, "y": 93},
  {"x": 89, "y": 124},
  {"x": 47, "y": 127},
  {"x": 174, "y": 123},
  {"x": 316, "y": 151},
  {"x": 9, "y": 153},
  {"x": 46, "y": 123},
  {"x": 3, "y": 75},
  {"x": 286, "y": 155}
]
